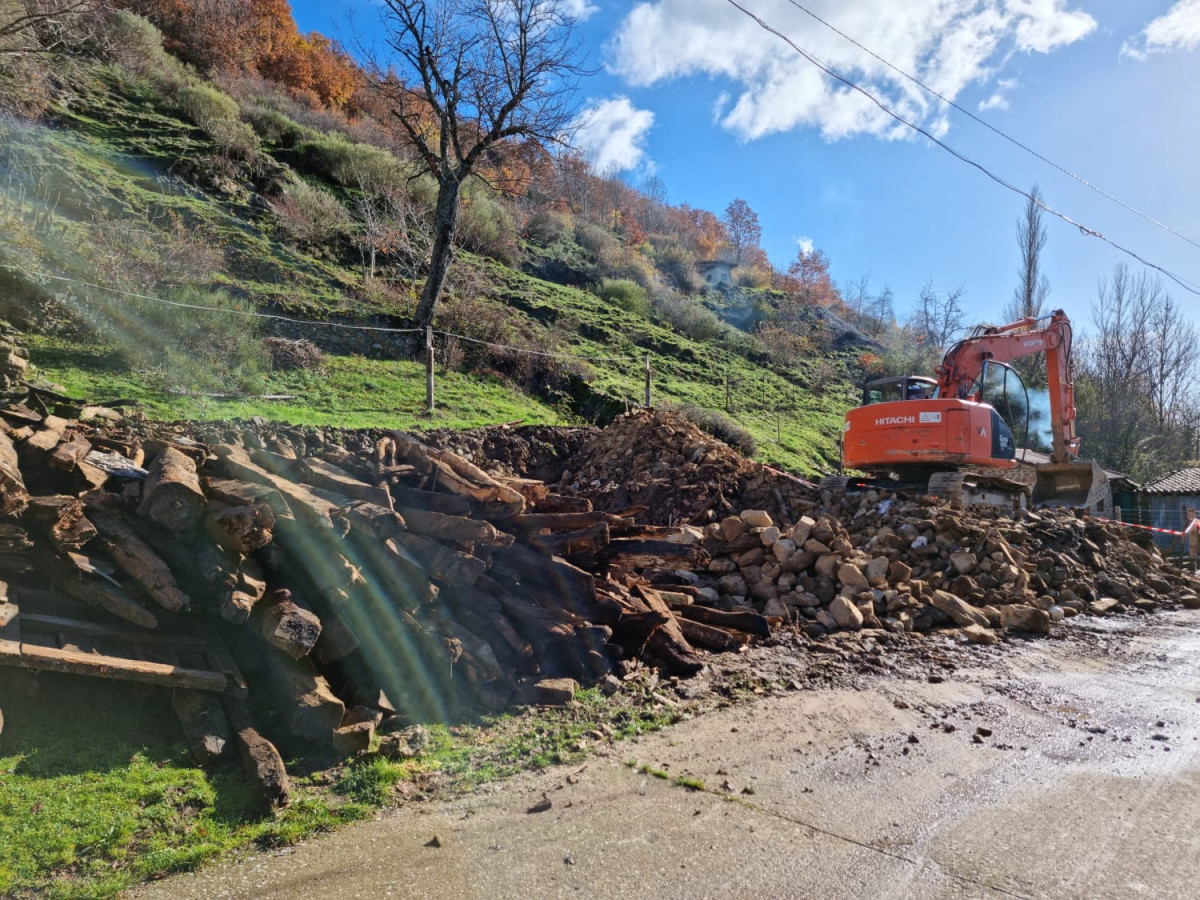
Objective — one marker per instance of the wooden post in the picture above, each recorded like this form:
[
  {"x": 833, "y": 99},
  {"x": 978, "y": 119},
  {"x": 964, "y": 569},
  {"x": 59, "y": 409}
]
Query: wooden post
[
  {"x": 1193, "y": 536},
  {"x": 647, "y": 381},
  {"x": 778, "y": 428},
  {"x": 1117, "y": 513},
  {"x": 728, "y": 399},
  {"x": 429, "y": 370}
]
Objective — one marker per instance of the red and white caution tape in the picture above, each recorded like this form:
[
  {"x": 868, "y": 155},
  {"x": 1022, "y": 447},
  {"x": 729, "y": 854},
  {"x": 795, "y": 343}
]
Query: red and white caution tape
[{"x": 1153, "y": 528}]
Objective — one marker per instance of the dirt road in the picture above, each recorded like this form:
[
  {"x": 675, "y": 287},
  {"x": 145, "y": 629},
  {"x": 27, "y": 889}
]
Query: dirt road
[{"x": 1064, "y": 768}]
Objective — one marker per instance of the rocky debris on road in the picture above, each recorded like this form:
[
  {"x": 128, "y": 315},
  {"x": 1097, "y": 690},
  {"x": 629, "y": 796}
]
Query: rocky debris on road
[{"x": 367, "y": 577}]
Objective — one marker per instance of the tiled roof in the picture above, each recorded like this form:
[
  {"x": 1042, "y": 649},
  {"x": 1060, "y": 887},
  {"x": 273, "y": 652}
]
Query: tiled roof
[{"x": 1181, "y": 481}]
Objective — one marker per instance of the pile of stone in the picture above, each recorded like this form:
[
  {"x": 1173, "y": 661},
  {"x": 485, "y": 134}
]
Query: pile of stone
[
  {"x": 876, "y": 560},
  {"x": 661, "y": 464},
  {"x": 14, "y": 360}
]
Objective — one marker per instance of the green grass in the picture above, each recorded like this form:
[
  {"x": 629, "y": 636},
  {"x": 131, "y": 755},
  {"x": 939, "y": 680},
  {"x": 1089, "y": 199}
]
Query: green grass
[
  {"x": 347, "y": 391},
  {"x": 97, "y": 793},
  {"x": 462, "y": 757}
]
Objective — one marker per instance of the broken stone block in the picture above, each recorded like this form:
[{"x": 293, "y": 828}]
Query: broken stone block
[
  {"x": 845, "y": 614},
  {"x": 756, "y": 518}
]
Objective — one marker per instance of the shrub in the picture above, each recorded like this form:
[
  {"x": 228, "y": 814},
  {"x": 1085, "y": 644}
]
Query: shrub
[
  {"x": 205, "y": 104},
  {"x": 486, "y": 226},
  {"x": 678, "y": 264},
  {"x": 720, "y": 426},
  {"x": 595, "y": 240},
  {"x": 274, "y": 126},
  {"x": 349, "y": 163},
  {"x": 546, "y": 227},
  {"x": 628, "y": 295},
  {"x": 204, "y": 339},
  {"x": 135, "y": 44},
  {"x": 309, "y": 215},
  {"x": 217, "y": 115},
  {"x": 783, "y": 347},
  {"x": 688, "y": 316},
  {"x": 287, "y": 355}
]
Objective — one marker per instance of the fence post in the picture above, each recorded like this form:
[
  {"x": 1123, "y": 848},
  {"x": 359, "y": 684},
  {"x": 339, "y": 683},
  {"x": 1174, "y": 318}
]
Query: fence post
[
  {"x": 728, "y": 400},
  {"x": 429, "y": 369},
  {"x": 647, "y": 381}
]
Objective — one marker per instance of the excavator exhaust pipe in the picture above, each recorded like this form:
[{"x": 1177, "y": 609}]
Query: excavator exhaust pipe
[{"x": 1071, "y": 484}]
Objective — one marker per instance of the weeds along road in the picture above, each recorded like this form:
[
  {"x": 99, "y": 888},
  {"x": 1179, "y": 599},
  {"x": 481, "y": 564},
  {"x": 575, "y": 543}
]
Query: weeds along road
[{"x": 1070, "y": 768}]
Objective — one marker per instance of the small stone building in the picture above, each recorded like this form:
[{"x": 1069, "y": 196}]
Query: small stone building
[
  {"x": 1169, "y": 497},
  {"x": 715, "y": 271}
]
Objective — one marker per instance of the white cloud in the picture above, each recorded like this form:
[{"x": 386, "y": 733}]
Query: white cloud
[
  {"x": 948, "y": 44},
  {"x": 579, "y": 9},
  {"x": 1177, "y": 29},
  {"x": 998, "y": 100},
  {"x": 611, "y": 134},
  {"x": 805, "y": 244}
]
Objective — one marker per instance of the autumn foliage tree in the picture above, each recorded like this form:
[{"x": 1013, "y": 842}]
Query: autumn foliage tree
[{"x": 256, "y": 37}]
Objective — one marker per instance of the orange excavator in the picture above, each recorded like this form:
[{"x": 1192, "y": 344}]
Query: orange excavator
[{"x": 945, "y": 434}]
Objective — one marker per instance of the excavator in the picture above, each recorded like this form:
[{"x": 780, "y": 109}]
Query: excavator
[{"x": 944, "y": 435}]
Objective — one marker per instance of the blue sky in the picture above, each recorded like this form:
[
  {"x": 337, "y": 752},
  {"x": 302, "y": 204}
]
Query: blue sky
[{"x": 698, "y": 94}]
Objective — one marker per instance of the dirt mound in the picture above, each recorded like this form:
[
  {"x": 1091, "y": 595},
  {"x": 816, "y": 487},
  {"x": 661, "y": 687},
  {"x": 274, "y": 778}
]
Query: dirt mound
[{"x": 658, "y": 460}]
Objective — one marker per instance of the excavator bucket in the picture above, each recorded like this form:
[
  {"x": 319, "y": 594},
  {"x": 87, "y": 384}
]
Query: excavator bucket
[{"x": 1072, "y": 484}]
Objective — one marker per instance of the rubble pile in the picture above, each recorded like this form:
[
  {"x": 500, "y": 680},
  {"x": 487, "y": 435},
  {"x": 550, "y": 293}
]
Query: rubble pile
[
  {"x": 661, "y": 464},
  {"x": 325, "y": 580},
  {"x": 904, "y": 565},
  {"x": 338, "y": 579}
]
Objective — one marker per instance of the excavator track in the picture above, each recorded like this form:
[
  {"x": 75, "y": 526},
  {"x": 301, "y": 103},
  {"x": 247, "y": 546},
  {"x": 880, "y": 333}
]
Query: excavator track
[
  {"x": 963, "y": 489},
  {"x": 959, "y": 489}
]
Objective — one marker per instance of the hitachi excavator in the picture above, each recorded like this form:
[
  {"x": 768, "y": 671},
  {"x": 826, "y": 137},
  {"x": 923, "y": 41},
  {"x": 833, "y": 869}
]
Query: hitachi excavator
[{"x": 944, "y": 435}]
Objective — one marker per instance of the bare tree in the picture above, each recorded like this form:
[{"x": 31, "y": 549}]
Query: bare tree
[
  {"x": 43, "y": 26},
  {"x": 1138, "y": 407},
  {"x": 937, "y": 318},
  {"x": 466, "y": 76},
  {"x": 1033, "y": 287},
  {"x": 741, "y": 222}
]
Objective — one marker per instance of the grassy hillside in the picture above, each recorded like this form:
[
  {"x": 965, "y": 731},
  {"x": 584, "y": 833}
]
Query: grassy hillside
[{"x": 118, "y": 188}]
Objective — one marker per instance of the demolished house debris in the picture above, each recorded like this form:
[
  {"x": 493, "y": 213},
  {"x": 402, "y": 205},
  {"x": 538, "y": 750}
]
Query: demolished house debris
[{"x": 349, "y": 577}]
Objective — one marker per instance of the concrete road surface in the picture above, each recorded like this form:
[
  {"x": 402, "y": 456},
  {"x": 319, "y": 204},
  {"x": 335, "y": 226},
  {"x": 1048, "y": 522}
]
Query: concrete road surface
[{"x": 1067, "y": 769}]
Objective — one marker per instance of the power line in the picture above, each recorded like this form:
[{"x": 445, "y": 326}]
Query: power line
[
  {"x": 1091, "y": 232},
  {"x": 248, "y": 313},
  {"x": 31, "y": 273},
  {"x": 995, "y": 130}
]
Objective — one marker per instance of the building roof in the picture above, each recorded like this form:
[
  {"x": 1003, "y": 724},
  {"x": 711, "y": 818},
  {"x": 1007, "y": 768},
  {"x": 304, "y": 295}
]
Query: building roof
[
  {"x": 714, "y": 263},
  {"x": 1181, "y": 481}
]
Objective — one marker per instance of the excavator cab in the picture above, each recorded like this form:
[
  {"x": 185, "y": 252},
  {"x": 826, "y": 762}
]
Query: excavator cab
[{"x": 900, "y": 387}]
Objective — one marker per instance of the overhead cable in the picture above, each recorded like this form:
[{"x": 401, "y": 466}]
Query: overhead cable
[
  {"x": 1091, "y": 232},
  {"x": 992, "y": 128}
]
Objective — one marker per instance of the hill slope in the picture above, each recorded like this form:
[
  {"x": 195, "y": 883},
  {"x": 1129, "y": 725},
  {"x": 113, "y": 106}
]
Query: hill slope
[{"x": 118, "y": 190}]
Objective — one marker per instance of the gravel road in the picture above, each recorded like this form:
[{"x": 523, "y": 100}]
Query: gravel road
[{"x": 1054, "y": 768}]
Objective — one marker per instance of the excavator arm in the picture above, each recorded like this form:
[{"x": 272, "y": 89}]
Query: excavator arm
[{"x": 961, "y": 374}]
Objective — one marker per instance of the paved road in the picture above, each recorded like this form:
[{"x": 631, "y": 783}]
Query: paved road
[{"x": 875, "y": 793}]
